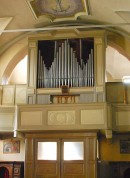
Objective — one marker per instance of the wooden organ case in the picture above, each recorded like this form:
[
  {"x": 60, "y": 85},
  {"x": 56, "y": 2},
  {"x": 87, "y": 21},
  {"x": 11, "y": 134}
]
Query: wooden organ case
[
  {"x": 64, "y": 66},
  {"x": 66, "y": 58}
]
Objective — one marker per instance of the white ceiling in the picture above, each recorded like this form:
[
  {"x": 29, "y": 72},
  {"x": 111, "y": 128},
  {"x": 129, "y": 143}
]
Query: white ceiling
[
  {"x": 16, "y": 14},
  {"x": 116, "y": 12}
]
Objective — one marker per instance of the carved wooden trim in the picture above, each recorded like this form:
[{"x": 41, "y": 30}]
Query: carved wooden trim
[{"x": 61, "y": 117}]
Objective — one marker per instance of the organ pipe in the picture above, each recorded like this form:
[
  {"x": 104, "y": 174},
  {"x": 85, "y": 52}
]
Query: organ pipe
[{"x": 66, "y": 69}]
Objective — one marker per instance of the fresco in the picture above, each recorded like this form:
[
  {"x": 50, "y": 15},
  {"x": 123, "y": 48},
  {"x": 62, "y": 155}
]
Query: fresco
[{"x": 58, "y": 8}]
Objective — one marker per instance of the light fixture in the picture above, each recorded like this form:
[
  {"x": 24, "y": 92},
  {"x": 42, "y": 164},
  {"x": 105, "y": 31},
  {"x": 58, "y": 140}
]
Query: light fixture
[{"x": 126, "y": 79}]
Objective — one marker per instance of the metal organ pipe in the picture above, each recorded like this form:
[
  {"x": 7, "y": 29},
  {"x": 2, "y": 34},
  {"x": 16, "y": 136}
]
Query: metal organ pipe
[
  {"x": 65, "y": 64},
  {"x": 59, "y": 67},
  {"x": 92, "y": 57},
  {"x": 65, "y": 68}
]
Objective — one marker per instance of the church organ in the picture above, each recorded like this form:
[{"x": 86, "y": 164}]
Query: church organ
[
  {"x": 66, "y": 58},
  {"x": 65, "y": 62},
  {"x": 70, "y": 60}
]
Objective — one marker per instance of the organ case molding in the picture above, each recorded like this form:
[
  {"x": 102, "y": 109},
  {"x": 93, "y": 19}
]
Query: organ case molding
[{"x": 61, "y": 117}]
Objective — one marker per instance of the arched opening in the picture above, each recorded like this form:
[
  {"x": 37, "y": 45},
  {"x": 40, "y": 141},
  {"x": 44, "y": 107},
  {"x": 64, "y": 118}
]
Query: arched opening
[
  {"x": 4, "y": 173},
  {"x": 117, "y": 65},
  {"x": 12, "y": 64},
  {"x": 19, "y": 73}
]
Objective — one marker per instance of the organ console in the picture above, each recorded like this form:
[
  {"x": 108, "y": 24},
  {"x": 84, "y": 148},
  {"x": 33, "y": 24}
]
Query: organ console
[{"x": 68, "y": 62}]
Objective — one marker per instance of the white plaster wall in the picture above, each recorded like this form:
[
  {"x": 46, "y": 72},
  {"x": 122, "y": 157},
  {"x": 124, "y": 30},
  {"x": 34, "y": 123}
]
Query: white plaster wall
[
  {"x": 9, "y": 54},
  {"x": 19, "y": 74},
  {"x": 117, "y": 65}
]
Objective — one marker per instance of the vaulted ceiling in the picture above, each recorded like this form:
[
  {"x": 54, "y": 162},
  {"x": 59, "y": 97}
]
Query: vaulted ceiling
[
  {"x": 20, "y": 17},
  {"x": 30, "y": 14}
]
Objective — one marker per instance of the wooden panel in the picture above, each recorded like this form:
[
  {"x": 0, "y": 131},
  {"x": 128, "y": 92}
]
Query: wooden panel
[
  {"x": 93, "y": 116},
  {"x": 115, "y": 92},
  {"x": 100, "y": 65},
  {"x": 100, "y": 97},
  {"x": 92, "y": 149},
  {"x": 29, "y": 158},
  {"x": 58, "y": 91},
  {"x": 20, "y": 94},
  {"x": 47, "y": 169},
  {"x": 128, "y": 93},
  {"x": 32, "y": 64},
  {"x": 32, "y": 118},
  {"x": 29, "y": 149},
  {"x": 29, "y": 170},
  {"x": 91, "y": 170},
  {"x": 73, "y": 169},
  {"x": 8, "y": 95},
  {"x": 7, "y": 115},
  {"x": 91, "y": 157},
  {"x": 121, "y": 117},
  {"x": 7, "y": 120},
  {"x": 87, "y": 97},
  {"x": 43, "y": 99},
  {"x": 109, "y": 116},
  {"x": 31, "y": 99},
  {"x": 99, "y": 61}
]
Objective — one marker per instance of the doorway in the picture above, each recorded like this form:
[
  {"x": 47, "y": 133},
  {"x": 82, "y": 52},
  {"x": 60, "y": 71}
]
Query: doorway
[
  {"x": 4, "y": 173},
  {"x": 61, "y": 158},
  {"x": 65, "y": 155}
]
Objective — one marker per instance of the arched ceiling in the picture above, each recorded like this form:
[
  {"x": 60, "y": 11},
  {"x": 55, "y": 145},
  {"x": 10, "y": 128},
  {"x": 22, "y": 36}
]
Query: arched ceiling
[{"x": 31, "y": 14}]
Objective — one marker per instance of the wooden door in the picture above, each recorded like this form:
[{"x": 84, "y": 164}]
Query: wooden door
[
  {"x": 48, "y": 158},
  {"x": 73, "y": 158},
  {"x": 63, "y": 156}
]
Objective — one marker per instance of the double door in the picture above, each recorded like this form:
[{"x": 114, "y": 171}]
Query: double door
[{"x": 65, "y": 157}]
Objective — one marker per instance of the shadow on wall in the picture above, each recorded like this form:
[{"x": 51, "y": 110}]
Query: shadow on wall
[
  {"x": 104, "y": 169},
  {"x": 127, "y": 173}
]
